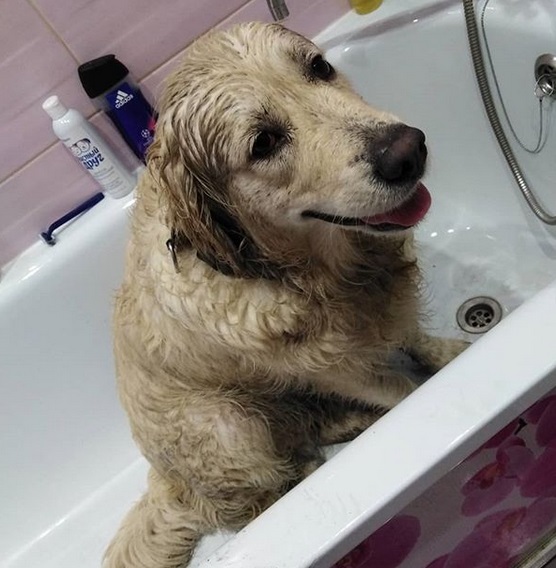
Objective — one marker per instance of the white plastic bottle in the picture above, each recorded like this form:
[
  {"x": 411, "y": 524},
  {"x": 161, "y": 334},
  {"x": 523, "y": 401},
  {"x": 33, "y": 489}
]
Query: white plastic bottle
[{"x": 87, "y": 146}]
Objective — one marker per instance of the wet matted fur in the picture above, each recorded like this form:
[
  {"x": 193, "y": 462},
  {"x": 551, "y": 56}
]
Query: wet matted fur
[{"x": 271, "y": 336}]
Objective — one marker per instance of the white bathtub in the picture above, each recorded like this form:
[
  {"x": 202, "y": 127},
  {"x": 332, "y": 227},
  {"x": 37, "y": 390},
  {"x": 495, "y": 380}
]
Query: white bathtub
[{"x": 69, "y": 468}]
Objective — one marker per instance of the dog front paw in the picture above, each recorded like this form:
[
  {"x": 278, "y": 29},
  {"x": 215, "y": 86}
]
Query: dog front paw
[{"x": 434, "y": 353}]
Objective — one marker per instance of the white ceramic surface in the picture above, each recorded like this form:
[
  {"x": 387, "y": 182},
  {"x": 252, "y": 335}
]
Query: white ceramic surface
[{"x": 69, "y": 467}]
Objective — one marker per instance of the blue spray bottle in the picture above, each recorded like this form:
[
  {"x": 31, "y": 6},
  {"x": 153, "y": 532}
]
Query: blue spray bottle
[{"x": 107, "y": 82}]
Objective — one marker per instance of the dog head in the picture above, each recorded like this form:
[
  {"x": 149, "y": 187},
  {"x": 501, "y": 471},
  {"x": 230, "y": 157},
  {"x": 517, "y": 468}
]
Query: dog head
[{"x": 261, "y": 141}]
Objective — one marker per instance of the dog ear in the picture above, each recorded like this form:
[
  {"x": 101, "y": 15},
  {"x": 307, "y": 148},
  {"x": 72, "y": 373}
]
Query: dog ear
[{"x": 198, "y": 212}]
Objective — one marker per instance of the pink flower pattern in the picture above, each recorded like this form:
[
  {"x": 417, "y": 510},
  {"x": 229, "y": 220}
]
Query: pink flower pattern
[
  {"x": 535, "y": 412},
  {"x": 507, "y": 491},
  {"x": 498, "y": 538},
  {"x": 494, "y": 482},
  {"x": 546, "y": 427},
  {"x": 387, "y": 547},
  {"x": 540, "y": 478}
]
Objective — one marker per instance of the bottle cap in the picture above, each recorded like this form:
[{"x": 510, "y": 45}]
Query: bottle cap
[
  {"x": 54, "y": 107},
  {"x": 100, "y": 75}
]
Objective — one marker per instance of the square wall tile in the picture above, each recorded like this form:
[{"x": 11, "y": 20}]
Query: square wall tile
[
  {"x": 143, "y": 34},
  {"x": 33, "y": 65}
]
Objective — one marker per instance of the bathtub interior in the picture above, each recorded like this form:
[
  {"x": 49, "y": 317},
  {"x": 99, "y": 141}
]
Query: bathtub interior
[
  {"x": 72, "y": 469},
  {"x": 64, "y": 436}
]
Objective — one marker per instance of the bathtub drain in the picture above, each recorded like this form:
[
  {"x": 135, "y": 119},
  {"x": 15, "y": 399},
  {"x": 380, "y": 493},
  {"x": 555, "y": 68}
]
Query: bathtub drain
[{"x": 478, "y": 315}]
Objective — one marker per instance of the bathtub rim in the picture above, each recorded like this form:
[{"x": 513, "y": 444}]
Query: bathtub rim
[{"x": 456, "y": 411}]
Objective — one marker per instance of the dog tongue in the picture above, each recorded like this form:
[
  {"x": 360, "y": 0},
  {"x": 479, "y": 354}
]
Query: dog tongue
[{"x": 407, "y": 214}]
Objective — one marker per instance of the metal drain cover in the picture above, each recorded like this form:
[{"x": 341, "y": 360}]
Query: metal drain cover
[{"x": 478, "y": 315}]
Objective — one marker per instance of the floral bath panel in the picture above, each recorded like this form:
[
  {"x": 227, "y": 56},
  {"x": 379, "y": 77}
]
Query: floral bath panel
[{"x": 486, "y": 513}]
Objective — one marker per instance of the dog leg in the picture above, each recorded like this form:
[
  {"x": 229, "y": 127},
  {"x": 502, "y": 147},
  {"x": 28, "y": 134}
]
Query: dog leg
[
  {"x": 384, "y": 388},
  {"x": 433, "y": 352},
  {"x": 222, "y": 471},
  {"x": 338, "y": 421},
  {"x": 348, "y": 426},
  {"x": 158, "y": 532}
]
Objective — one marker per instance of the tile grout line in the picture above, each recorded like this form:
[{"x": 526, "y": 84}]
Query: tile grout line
[
  {"x": 52, "y": 29},
  {"x": 46, "y": 22},
  {"x": 41, "y": 153},
  {"x": 169, "y": 58},
  {"x": 28, "y": 162}
]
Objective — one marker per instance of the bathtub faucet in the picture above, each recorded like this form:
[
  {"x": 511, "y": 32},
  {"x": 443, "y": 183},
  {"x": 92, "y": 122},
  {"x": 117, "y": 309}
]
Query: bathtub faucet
[{"x": 278, "y": 9}]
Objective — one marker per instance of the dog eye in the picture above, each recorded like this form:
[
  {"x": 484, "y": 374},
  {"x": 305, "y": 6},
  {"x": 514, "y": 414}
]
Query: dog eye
[
  {"x": 264, "y": 144},
  {"x": 321, "y": 68}
]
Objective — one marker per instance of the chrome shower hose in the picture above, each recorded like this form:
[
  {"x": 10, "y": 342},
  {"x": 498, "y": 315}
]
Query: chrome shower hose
[{"x": 486, "y": 95}]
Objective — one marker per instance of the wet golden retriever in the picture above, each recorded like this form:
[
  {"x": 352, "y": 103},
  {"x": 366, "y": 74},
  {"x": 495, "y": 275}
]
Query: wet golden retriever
[{"x": 269, "y": 278}]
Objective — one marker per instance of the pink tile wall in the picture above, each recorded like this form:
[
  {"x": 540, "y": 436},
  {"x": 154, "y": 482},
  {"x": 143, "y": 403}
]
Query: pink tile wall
[
  {"x": 33, "y": 64},
  {"x": 41, "y": 44},
  {"x": 143, "y": 33}
]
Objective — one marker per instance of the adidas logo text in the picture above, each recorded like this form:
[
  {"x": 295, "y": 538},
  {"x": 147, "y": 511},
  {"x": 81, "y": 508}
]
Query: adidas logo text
[{"x": 122, "y": 98}]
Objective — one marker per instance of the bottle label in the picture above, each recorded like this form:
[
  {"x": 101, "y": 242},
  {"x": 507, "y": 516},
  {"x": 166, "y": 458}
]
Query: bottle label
[
  {"x": 133, "y": 116},
  {"x": 87, "y": 153},
  {"x": 99, "y": 163}
]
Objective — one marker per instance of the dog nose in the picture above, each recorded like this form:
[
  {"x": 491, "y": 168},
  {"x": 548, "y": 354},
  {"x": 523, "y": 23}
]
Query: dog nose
[{"x": 400, "y": 154}]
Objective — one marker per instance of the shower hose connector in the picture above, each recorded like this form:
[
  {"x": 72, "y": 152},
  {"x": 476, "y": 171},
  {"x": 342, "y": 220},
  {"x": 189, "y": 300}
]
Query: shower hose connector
[{"x": 488, "y": 102}]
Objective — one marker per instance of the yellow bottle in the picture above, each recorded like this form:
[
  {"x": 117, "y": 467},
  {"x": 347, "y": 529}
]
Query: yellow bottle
[{"x": 365, "y": 6}]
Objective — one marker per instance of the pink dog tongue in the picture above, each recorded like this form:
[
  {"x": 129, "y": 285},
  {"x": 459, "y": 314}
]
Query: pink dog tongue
[{"x": 409, "y": 213}]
